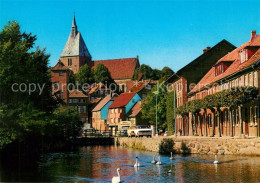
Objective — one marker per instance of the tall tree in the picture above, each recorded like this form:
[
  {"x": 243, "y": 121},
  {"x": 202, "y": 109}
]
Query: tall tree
[
  {"x": 149, "y": 107},
  {"x": 102, "y": 74},
  {"x": 20, "y": 64},
  {"x": 166, "y": 73},
  {"x": 84, "y": 75}
]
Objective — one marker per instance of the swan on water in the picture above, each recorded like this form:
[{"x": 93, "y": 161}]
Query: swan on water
[
  {"x": 159, "y": 161},
  {"x": 136, "y": 162},
  {"x": 154, "y": 161},
  {"x": 116, "y": 179},
  {"x": 171, "y": 158},
  {"x": 216, "y": 160}
]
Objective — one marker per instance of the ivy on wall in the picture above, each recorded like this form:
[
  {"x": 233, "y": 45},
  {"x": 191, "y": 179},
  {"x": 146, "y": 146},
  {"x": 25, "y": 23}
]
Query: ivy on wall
[
  {"x": 227, "y": 98},
  {"x": 170, "y": 115}
]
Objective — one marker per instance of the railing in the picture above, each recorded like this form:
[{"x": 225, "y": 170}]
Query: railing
[{"x": 97, "y": 133}]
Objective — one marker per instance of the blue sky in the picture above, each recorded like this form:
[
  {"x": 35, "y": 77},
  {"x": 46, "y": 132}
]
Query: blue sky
[{"x": 162, "y": 33}]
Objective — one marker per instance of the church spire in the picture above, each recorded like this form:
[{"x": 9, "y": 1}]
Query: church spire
[{"x": 74, "y": 30}]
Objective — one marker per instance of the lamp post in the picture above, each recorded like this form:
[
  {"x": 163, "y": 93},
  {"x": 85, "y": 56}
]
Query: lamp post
[
  {"x": 156, "y": 94},
  {"x": 175, "y": 134}
]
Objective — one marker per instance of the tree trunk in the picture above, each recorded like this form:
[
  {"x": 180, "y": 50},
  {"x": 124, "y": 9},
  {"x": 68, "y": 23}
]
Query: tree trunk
[
  {"x": 219, "y": 118},
  {"x": 188, "y": 129},
  {"x": 195, "y": 124},
  {"x": 231, "y": 122},
  {"x": 205, "y": 120},
  {"x": 213, "y": 124},
  {"x": 240, "y": 118},
  {"x": 200, "y": 125}
]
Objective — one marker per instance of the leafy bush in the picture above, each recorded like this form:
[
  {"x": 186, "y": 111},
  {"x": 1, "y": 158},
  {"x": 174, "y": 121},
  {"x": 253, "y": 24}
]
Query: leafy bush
[{"x": 166, "y": 146}]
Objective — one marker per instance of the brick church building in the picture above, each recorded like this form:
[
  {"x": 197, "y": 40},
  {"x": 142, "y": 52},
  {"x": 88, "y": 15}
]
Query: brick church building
[{"x": 75, "y": 54}]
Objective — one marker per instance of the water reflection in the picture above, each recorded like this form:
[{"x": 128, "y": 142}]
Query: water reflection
[{"x": 99, "y": 164}]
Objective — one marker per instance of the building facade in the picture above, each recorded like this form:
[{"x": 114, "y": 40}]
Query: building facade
[
  {"x": 187, "y": 77},
  {"x": 239, "y": 68},
  {"x": 118, "y": 110}
]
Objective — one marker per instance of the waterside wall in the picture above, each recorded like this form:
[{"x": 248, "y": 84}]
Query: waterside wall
[{"x": 196, "y": 145}]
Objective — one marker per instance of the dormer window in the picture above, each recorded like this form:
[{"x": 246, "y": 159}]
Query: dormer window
[
  {"x": 219, "y": 69},
  {"x": 243, "y": 55}
]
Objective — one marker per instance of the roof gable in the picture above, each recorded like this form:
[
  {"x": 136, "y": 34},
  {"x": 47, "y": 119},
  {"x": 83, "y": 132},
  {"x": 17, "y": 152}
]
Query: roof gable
[
  {"x": 103, "y": 102},
  {"x": 77, "y": 94},
  {"x": 59, "y": 67},
  {"x": 135, "y": 110}
]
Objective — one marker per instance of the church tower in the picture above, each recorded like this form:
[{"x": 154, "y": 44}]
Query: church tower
[{"x": 75, "y": 53}]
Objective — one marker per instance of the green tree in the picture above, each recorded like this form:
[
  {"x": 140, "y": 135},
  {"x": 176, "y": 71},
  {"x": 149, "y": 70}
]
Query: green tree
[
  {"x": 84, "y": 75},
  {"x": 149, "y": 107},
  {"x": 145, "y": 70},
  {"x": 166, "y": 73},
  {"x": 102, "y": 74},
  {"x": 20, "y": 63},
  {"x": 170, "y": 115}
]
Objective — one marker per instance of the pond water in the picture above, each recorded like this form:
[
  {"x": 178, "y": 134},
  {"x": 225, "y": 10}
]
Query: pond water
[{"x": 99, "y": 164}]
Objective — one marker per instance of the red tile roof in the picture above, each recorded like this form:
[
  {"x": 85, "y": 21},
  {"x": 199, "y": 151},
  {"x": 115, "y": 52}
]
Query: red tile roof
[
  {"x": 135, "y": 110},
  {"x": 120, "y": 68},
  {"x": 77, "y": 94},
  {"x": 122, "y": 100},
  {"x": 138, "y": 86},
  {"x": 233, "y": 55},
  {"x": 235, "y": 67},
  {"x": 59, "y": 67}
]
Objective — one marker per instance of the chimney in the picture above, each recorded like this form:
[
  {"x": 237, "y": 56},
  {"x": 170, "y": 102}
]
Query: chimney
[
  {"x": 253, "y": 35},
  {"x": 206, "y": 49},
  {"x": 137, "y": 57}
]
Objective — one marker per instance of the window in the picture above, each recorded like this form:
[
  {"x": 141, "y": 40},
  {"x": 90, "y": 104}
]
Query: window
[
  {"x": 143, "y": 96},
  {"x": 149, "y": 87},
  {"x": 70, "y": 100},
  {"x": 83, "y": 120},
  {"x": 56, "y": 85},
  {"x": 69, "y": 61},
  {"x": 61, "y": 73},
  {"x": 243, "y": 55}
]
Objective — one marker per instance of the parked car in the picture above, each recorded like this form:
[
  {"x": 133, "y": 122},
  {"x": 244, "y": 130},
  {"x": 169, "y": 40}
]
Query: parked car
[
  {"x": 89, "y": 132},
  {"x": 139, "y": 131}
]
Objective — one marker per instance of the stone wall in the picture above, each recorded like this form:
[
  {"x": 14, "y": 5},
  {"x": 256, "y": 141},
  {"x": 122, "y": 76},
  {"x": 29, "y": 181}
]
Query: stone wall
[{"x": 197, "y": 145}]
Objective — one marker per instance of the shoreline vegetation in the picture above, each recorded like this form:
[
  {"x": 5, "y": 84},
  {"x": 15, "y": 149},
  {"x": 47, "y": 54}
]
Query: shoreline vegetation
[{"x": 31, "y": 123}]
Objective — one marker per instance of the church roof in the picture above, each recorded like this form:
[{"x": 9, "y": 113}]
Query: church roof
[
  {"x": 75, "y": 45},
  {"x": 120, "y": 68}
]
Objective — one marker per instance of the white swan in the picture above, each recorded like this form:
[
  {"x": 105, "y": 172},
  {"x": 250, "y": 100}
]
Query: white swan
[
  {"x": 136, "y": 162},
  {"x": 116, "y": 179},
  {"x": 216, "y": 160},
  {"x": 171, "y": 158},
  {"x": 154, "y": 161},
  {"x": 159, "y": 161},
  {"x": 170, "y": 171}
]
